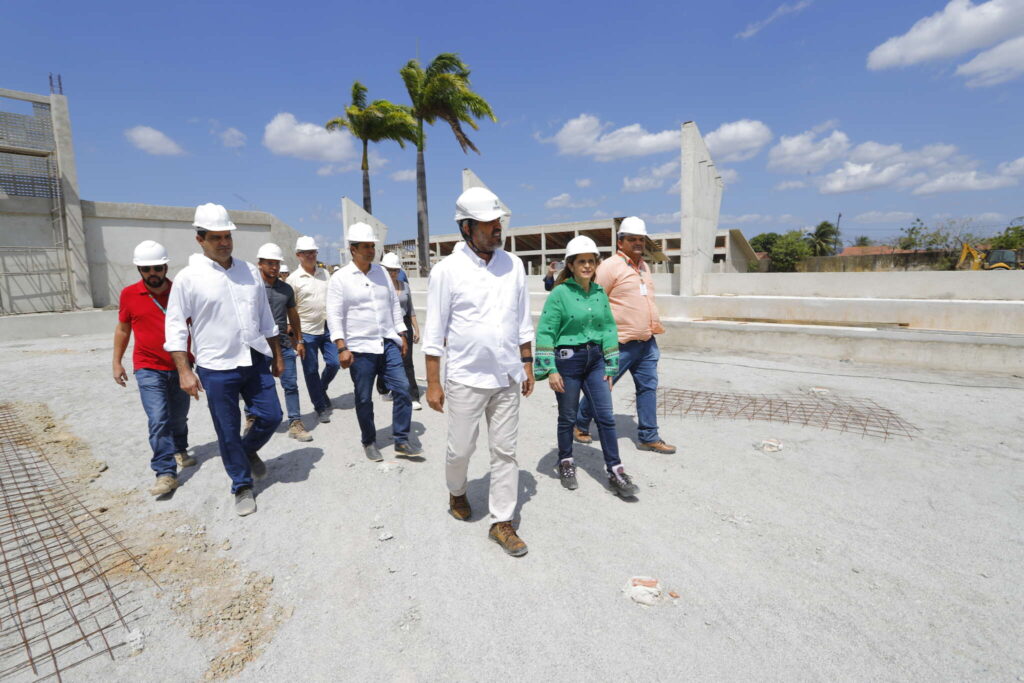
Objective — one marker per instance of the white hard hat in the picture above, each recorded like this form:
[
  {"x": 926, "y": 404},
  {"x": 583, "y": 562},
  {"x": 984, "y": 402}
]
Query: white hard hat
[
  {"x": 632, "y": 225},
  {"x": 361, "y": 232},
  {"x": 305, "y": 243},
  {"x": 581, "y": 245},
  {"x": 271, "y": 252},
  {"x": 480, "y": 204},
  {"x": 213, "y": 217},
  {"x": 285, "y": 268},
  {"x": 150, "y": 253},
  {"x": 391, "y": 260}
]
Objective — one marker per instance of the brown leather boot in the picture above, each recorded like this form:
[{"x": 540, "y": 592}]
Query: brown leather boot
[
  {"x": 458, "y": 507},
  {"x": 581, "y": 437},
  {"x": 504, "y": 534},
  {"x": 657, "y": 447}
]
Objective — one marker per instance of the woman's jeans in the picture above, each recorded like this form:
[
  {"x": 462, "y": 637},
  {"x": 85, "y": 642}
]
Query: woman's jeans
[{"x": 582, "y": 368}]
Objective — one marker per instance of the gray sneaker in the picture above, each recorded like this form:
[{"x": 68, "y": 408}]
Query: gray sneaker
[
  {"x": 259, "y": 468},
  {"x": 324, "y": 415},
  {"x": 407, "y": 450},
  {"x": 622, "y": 485},
  {"x": 372, "y": 453},
  {"x": 245, "y": 502}
]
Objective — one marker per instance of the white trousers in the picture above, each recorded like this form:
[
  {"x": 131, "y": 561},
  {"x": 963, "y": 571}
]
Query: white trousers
[{"x": 465, "y": 406}]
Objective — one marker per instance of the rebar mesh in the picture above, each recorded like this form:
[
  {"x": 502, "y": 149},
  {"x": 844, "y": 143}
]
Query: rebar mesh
[
  {"x": 853, "y": 415},
  {"x": 60, "y": 603}
]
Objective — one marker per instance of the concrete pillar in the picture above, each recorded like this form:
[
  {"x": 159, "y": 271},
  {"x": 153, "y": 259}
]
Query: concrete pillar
[
  {"x": 78, "y": 261},
  {"x": 700, "y": 201},
  {"x": 355, "y": 213}
]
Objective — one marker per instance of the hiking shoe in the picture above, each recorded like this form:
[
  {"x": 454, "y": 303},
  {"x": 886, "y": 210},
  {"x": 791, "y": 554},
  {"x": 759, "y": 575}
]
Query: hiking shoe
[
  {"x": 657, "y": 447},
  {"x": 245, "y": 502},
  {"x": 581, "y": 436},
  {"x": 567, "y": 474},
  {"x": 184, "y": 459},
  {"x": 406, "y": 450},
  {"x": 458, "y": 507},
  {"x": 622, "y": 485},
  {"x": 324, "y": 415},
  {"x": 249, "y": 422},
  {"x": 165, "y": 483},
  {"x": 297, "y": 431},
  {"x": 504, "y": 535},
  {"x": 416, "y": 405},
  {"x": 258, "y": 467},
  {"x": 372, "y": 452}
]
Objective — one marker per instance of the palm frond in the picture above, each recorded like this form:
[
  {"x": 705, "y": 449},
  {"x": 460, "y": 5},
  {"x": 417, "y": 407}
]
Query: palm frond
[{"x": 359, "y": 95}]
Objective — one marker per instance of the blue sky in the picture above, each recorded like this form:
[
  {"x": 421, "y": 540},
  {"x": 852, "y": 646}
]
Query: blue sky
[{"x": 882, "y": 111}]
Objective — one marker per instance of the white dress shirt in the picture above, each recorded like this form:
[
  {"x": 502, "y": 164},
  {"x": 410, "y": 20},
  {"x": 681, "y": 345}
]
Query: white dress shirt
[
  {"x": 229, "y": 310},
  {"x": 310, "y": 298},
  {"x": 363, "y": 308},
  {"x": 483, "y": 310}
]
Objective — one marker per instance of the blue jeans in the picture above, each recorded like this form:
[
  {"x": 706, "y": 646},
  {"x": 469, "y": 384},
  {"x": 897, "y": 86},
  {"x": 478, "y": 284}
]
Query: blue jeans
[
  {"x": 166, "y": 406},
  {"x": 365, "y": 368},
  {"x": 585, "y": 371},
  {"x": 641, "y": 359},
  {"x": 256, "y": 386},
  {"x": 290, "y": 384},
  {"x": 317, "y": 383}
]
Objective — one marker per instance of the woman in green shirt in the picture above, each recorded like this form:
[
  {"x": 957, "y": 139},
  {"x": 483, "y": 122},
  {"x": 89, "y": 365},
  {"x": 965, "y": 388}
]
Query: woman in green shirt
[{"x": 578, "y": 350}]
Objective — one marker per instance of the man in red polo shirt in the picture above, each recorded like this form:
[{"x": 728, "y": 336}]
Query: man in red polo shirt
[{"x": 142, "y": 310}]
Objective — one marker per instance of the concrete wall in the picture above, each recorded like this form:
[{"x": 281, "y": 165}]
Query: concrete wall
[
  {"x": 33, "y": 280},
  {"x": 700, "y": 201},
  {"x": 959, "y": 285},
  {"x": 352, "y": 213},
  {"x": 113, "y": 230}
]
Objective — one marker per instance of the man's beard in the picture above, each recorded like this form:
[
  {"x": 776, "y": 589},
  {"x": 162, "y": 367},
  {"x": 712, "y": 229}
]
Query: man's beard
[{"x": 155, "y": 281}]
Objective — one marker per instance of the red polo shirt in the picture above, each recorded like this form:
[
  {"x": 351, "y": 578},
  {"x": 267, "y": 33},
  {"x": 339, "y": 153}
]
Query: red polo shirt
[{"x": 147, "y": 319}]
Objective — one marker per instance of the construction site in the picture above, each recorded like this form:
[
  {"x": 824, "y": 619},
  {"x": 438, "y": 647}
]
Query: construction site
[{"x": 846, "y": 502}]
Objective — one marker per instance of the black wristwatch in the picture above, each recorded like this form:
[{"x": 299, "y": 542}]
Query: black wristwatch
[{"x": 527, "y": 359}]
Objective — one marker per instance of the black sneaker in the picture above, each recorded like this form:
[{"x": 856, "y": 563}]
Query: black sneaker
[
  {"x": 324, "y": 415},
  {"x": 622, "y": 485},
  {"x": 259, "y": 468},
  {"x": 567, "y": 474}
]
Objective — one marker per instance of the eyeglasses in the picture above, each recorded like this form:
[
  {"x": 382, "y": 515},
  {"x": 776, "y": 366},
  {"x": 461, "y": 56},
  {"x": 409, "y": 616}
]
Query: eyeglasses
[
  {"x": 311, "y": 252},
  {"x": 156, "y": 269}
]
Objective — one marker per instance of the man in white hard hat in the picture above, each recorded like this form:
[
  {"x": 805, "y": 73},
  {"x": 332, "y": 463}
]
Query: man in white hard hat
[
  {"x": 142, "y": 310},
  {"x": 282, "y": 305},
  {"x": 365, "y": 320},
  {"x": 393, "y": 265},
  {"x": 478, "y": 318},
  {"x": 627, "y": 280},
  {"x": 236, "y": 346},
  {"x": 310, "y": 284},
  {"x": 283, "y": 271}
]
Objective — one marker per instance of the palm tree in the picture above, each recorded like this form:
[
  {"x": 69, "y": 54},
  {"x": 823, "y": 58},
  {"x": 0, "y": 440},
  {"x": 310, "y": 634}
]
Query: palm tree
[
  {"x": 441, "y": 91},
  {"x": 823, "y": 239},
  {"x": 381, "y": 120}
]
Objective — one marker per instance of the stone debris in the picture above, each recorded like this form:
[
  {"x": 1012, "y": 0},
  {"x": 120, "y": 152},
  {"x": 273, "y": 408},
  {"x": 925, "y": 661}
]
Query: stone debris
[
  {"x": 643, "y": 590},
  {"x": 385, "y": 536},
  {"x": 390, "y": 466},
  {"x": 769, "y": 445},
  {"x": 136, "y": 641},
  {"x": 818, "y": 391}
]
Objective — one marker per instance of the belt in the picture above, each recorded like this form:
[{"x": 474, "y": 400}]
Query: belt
[{"x": 579, "y": 347}]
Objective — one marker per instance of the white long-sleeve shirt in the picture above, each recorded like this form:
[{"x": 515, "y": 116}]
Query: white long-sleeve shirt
[
  {"x": 483, "y": 310},
  {"x": 363, "y": 309},
  {"x": 229, "y": 310},
  {"x": 310, "y": 298}
]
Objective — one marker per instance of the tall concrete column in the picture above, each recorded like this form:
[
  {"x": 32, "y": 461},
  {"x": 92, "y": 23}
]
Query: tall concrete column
[
  {"x": 78, "y": 261},
  {"x": 700, "y": 190},
  {"x": 355, "y": 213}
]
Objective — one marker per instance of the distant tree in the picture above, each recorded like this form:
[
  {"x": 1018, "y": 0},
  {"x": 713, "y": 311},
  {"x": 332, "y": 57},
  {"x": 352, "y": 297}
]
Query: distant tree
[
  {"x": 823, "y": 240},
  {"x": 1010, "y": 238},
  {"x": 863, "y": 241},
  {"x": 764, "y": 241},
  {"x": 789, "y": 250},
  {"x": 912, "y": 236},
  {"x": 376, "y": 122}
]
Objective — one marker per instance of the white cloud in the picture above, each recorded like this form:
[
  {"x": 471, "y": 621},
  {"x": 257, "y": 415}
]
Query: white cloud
[
  {"x": 232, "y": 137},
  {"x": 883, "y": 217},
  {"x": 1013, "y": 168},
  {"x": 1002, "y": 63},
  {"x": 738, "y": 140},
  {"x": 565, "y": 201},
  {"x": 585, "y": 136},
  {"x": 806, "y": 151},
  {"x": 730, "y": 176},
  {"x": 958, "y": 28},
  {"x": 852, "y": 177},
  {"x": 583, "y": 182},
  {"x": 152, "y": 141},
  {"x": 286, "y": 136},
  {"x": 403, "y": 176},
  {"x": 651, "y": 178},
  {"x": 601, "y": 214},
  {"x": 990, "y": 217},
  {"x": 726, "y": 218},
  {"x": 791, "y": 185},
  {"x": 789, "y": 218},
  {"x": 782, "y": 10},
  {"x": 959, "y": 181},
  {"x": 661, "y": 218}
]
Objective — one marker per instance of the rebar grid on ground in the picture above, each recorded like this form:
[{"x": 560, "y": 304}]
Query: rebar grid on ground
[
  {"x": 59, "y": 600},
  {"x": 853, "y": 415}
]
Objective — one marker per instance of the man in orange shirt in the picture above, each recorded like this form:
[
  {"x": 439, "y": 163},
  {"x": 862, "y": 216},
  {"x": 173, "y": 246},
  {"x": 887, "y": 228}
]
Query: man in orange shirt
[{"x": 630, "y": 288}]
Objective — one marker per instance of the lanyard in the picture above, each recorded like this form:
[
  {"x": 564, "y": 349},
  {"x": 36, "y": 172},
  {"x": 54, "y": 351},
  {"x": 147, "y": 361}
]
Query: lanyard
[{"x": 162, "y": 309}]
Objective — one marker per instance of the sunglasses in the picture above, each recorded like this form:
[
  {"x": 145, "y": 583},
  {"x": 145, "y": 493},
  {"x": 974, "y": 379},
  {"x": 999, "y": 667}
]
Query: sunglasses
[{"x": 155, "y": 269}]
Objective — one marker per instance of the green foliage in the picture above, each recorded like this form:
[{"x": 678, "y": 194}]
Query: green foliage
[
  {"x": 823, "y": 240},
  {"x": 382, "y": 120},
  {"x": 863, "y": 241},
  {"x": 1010, "y": 238},
  {"x": 912, "y": 236},
  {"x": 764, "y": 241},
  {"x": 788, "y": 251}
]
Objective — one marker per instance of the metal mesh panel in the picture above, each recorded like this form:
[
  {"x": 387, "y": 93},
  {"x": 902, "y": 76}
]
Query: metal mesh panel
[{"x": 23, "y": 175}]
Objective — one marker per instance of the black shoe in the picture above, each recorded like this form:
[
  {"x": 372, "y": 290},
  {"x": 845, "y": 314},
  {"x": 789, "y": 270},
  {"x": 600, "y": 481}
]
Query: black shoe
[
  {"x": 324, "y": 415},
  {"x": 622, "y": 485},
  {"x": 567, "y": 474},
  {"x": 259, "y": 468}
]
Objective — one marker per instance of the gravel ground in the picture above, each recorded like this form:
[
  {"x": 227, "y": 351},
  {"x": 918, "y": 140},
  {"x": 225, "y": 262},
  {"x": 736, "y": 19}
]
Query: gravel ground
[{"x": 838, "y": 557}]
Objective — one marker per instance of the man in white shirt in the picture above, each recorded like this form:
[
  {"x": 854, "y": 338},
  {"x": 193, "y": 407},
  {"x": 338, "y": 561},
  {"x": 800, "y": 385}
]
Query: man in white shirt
[
  {"x": 309, "y": 281},
  {"x": 478, "y": 318},
  {"x": 234, "y": 337},
  {"x": 366, "y": 323}
]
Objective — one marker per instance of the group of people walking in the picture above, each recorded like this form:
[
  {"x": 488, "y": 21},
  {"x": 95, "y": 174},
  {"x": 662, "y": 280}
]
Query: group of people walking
[{"x": 228, "y": 328}]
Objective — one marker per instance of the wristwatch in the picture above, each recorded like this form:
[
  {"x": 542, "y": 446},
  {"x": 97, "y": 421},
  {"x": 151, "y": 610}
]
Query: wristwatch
[{"x": 527, "y": 359}]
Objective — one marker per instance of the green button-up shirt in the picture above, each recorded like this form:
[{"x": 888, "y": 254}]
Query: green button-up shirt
[{"x": 573, "y": 317}]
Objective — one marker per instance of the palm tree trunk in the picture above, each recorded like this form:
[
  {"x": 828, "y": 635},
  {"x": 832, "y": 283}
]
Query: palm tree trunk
[
  {"x": 422, "y": 222},
  {"x": 367, "y": 205}
]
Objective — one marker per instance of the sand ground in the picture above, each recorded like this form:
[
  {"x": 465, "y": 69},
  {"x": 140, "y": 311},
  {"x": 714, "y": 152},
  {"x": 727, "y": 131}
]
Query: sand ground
[{"x": 839, "y": 557}]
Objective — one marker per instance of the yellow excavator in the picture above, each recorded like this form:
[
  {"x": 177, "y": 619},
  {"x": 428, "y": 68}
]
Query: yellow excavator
[{"x": 993, "y": 259}]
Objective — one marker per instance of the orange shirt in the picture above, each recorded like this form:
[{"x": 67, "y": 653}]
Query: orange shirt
[{"x": 631, "y": 293}]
